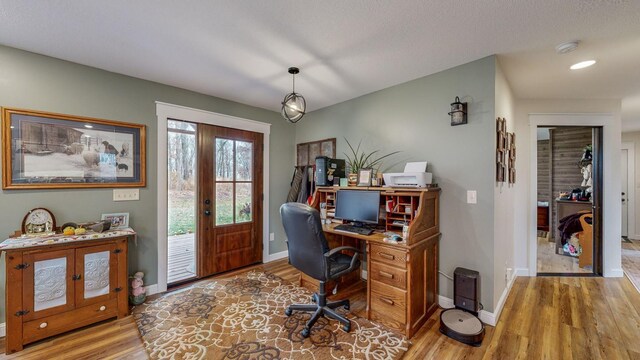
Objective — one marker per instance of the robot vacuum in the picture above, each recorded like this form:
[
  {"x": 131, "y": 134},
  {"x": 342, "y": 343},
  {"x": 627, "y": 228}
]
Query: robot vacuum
[
  {"x": 461, "y": 323},
  {"x": 462, "y": 326}
]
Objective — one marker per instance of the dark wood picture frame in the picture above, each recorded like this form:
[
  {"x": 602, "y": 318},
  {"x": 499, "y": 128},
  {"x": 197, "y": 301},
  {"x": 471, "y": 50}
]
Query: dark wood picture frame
[
  {"x": 501, "y": 149},
  {"x": 43, "y": 150},
  {"x": 307, "y": 152},
  {"x": 511, "y": 158}
]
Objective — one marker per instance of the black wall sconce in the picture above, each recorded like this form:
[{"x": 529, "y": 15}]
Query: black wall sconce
[{"x": 458, "y": 112}]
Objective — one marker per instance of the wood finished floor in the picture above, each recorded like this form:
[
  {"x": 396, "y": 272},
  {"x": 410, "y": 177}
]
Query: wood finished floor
[
  {"x": 631, "y": 261},
  {"x": 550, "y": 262},
  {"x": 543, "y": 318}
]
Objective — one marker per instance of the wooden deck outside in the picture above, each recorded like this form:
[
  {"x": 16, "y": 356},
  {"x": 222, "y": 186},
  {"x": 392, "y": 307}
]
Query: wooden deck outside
[{"x": 182, "y": 263}]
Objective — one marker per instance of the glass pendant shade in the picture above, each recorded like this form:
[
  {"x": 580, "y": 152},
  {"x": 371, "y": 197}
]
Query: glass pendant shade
[{"x": 293, "y": 105}]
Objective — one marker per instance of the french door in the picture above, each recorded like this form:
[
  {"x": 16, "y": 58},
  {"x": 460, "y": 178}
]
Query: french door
[{"x": 229, "y": 207}]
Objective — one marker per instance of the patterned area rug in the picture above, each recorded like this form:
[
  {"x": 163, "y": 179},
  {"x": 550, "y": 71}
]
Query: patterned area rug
[{"x": 243, "y": 318}]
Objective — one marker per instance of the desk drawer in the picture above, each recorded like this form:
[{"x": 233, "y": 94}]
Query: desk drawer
[
  {"x": 388, "y": 304},
  {"x": 55, "y": 324},
  {"x": 395, "y": 257},
  {"x": 388, "y": 274}
]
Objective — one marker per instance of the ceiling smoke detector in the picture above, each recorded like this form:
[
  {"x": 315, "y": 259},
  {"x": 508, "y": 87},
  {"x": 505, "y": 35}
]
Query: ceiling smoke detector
[{"x": 566, "y": 47}]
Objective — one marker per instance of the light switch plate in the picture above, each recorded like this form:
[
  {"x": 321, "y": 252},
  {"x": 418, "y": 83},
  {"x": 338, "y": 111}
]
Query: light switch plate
[
  {"x": 126, "y": 194},
  {"x": 472, "y": 197}
]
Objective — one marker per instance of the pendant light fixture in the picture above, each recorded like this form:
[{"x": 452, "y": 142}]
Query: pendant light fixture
[{"x": 293, "y": 105}]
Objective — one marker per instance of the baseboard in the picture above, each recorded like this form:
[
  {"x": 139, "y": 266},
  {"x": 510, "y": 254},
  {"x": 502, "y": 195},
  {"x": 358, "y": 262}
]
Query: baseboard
[
  {"x": 152, "y": 289},
  {"x": 3, "y": 330},
  {"x": 615, "y": 273},
  {"x": 278, "y": 256},
  {"x": 363, "y": 274},
  {"x": 487, "y": 317}
]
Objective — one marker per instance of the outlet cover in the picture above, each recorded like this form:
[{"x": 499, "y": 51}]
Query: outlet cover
[
  {"x": 272, "y": 236},
  {"x": 126, "y": 194}
]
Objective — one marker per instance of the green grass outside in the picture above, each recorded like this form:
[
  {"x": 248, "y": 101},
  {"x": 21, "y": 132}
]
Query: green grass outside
[{"x": 182, "y": 212}]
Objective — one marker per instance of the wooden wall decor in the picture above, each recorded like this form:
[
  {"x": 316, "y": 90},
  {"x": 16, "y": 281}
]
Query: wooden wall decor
[
  {"x": 501, "y": 149},
  {"x": 307, "y": 152},
  {"x": 511, "y": 161}
]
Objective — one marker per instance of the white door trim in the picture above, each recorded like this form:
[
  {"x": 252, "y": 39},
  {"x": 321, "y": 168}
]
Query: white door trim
[
  {"x": 611, "y": 227},
  {"x": 164, "y": 112},
  {"x": 631, "y": 193}
]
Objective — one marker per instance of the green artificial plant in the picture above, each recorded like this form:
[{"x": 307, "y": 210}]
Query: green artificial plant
[{"x": 361, "y": 160}]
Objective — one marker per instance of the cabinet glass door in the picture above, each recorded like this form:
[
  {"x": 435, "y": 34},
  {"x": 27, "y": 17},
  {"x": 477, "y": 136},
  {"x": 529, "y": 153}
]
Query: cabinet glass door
[
  {"x": 48, "y": 283},
  {"x": 97, "y": 267}
]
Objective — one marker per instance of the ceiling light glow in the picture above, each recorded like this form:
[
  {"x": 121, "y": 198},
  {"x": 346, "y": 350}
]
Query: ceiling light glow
[{"x": 582, "y": 64}]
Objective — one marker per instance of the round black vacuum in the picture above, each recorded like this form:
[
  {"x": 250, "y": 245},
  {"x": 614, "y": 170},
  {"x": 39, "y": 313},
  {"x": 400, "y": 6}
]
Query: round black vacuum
[{"x": 462, "y": 326}]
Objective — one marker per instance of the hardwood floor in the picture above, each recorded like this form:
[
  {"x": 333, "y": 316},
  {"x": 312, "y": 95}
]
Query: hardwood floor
[
  {"x": 544, "y": 317},
  {"x": 631, "y": 261},
  {"x": 550, "y": 262}
]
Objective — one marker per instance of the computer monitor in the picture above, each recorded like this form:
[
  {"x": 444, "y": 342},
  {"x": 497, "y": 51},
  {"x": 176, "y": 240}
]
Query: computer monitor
[{"x": 359, "y": 206}]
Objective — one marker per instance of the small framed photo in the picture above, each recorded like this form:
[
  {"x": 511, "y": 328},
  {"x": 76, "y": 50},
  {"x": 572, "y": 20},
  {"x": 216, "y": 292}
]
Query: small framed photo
[
  {"x": 364, "y": 177},
  {"x": 118, "y": 220}
]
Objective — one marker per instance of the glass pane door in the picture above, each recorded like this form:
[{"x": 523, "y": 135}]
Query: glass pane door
[
  {"x": 182, "y": 165},
  {"x": 234, "y": 175}
]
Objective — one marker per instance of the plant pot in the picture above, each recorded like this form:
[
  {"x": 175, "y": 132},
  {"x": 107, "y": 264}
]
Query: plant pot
[{"x": 353, "y": 179}]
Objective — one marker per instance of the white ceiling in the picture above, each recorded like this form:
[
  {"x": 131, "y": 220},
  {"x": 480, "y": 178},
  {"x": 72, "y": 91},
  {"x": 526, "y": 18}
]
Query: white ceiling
[{"x": 241, "y": 49}]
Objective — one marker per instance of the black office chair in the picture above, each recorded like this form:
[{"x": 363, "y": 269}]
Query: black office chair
[{"x": 310, "y": 253}]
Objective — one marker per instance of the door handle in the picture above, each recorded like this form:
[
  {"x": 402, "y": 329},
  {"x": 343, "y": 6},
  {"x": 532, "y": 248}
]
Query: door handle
[{"x": 207, "y": 212}]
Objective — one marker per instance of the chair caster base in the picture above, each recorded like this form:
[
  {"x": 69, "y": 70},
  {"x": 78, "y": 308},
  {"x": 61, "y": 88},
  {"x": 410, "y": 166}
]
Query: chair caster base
[
  {"x": 314, "y": 298},
  {"x": 346, "y": 328},
  {"x": 305, "y": 332},
  {"x": 347, "y": 306},
  {"x": 288, "y": 312}
]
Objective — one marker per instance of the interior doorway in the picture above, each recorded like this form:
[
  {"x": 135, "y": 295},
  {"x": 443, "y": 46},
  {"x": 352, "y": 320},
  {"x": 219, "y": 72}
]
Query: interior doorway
[{"x": 569, "y": 183}]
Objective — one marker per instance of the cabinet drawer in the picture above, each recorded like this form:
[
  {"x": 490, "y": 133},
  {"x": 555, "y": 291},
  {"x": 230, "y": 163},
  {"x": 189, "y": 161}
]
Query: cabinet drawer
[
  {"x": 395, "y": 257},
  {"x": 388, "y": 274},
  {"x": 55, "y": 324},
  {"x": 388, "y": 303}
]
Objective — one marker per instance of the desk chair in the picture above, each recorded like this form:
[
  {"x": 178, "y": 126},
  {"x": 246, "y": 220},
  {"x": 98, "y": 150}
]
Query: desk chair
[{"x": 310, "y": 253}]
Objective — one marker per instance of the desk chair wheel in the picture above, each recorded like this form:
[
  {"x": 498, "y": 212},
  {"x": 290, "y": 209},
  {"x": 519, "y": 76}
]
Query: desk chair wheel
[
  {"x": 288, "y": 311},
  {"x": 347, "y": 306},
  {"x": 314, "y": 298},
  {"x": 347, "y": 328},
  {"x": 305, "y": 332}
]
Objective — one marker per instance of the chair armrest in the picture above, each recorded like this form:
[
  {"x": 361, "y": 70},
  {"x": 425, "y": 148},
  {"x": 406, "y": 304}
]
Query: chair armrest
[
  {"x": 333, "y": 251},
  {"x": 340, "y": 248}
]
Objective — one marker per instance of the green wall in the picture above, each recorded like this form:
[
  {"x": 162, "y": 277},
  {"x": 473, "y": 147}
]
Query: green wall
[
  {"x": 37, "y": 82},
  {"x": 412, "y": 117}
]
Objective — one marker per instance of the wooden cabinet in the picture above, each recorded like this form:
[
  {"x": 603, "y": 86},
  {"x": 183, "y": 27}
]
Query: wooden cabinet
[
  {"x": 402, "y": 285},
  {"x": 56, "y": 288}
]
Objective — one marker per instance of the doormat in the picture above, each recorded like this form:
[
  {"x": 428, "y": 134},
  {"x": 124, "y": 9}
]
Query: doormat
[{"x": 242, "y": 317}]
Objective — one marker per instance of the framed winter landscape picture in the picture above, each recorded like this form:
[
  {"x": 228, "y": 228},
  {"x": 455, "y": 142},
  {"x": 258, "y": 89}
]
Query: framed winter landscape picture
[{"x": 49, "y": 151}]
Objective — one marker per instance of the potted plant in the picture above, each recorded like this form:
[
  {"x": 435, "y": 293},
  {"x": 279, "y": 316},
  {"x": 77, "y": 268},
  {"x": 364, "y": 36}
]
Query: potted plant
[{"x": 358, "y": 160}]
